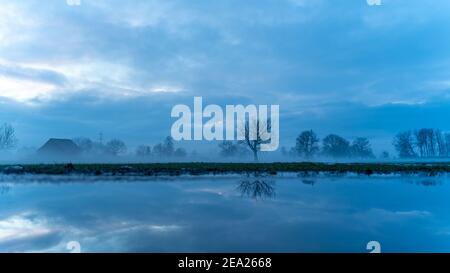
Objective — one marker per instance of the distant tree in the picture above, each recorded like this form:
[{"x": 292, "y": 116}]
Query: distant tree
[
  {"x": 440, "y": 142},
  {"x": 447, "y": 144},
  {"x": 227, "y": 149},
  {"x": 169, "y": 146},
  {"x": 425, "y": 140},
  {"x": 404, "y": 144},
  {"x": 116, "y": 147},
  {"x": 361, "y": 148},
  {"x": 8, "y": 138},
  {"x": 98, "y": 148},
  {"x": 335, "y": 146},
  {"x": 158, "y": 150},
  {"x": 86, "y": 145},
  {"x": 307, "y": 144},
  {"x": 431, "y": 143},
  {"x": 421, "y": 141},
  {"x": 143, "y": 151},
  {"x": 231, "y": 149},
  {"x": 194, "y": 154},
  {"x": 292, "y": 152},
  {"x": 385, "y": 155},
  {"x": 165, "y": 149},
  {"x": 180, "y": 153}
]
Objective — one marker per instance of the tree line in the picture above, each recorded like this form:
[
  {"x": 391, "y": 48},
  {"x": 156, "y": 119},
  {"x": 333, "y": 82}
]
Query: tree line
[
  {"x": 419, "y": 143},
  {"x": 117, "y": 147},
  {"x": 422, "y": 143},
  {"x": 308, "y": 146}
]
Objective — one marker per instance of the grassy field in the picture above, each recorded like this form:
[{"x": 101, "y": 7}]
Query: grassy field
[{"x": 175, "y": 169}]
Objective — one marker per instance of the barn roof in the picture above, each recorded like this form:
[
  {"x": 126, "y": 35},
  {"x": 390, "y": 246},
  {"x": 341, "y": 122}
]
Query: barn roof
[{"x": 60, "y": 147}]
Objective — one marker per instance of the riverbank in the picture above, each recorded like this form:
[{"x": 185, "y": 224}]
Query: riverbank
[{"x": 175, "y": 169}]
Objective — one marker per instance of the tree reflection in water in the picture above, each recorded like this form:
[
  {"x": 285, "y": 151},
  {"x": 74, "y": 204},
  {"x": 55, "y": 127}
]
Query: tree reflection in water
[
  {"x": 309, "y": 182},
  {"x": 257, "y": 188},
  {"x": 4, "y": 189}
]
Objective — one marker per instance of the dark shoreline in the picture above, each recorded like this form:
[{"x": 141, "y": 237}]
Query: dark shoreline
[{"x": 176, "y": 169}]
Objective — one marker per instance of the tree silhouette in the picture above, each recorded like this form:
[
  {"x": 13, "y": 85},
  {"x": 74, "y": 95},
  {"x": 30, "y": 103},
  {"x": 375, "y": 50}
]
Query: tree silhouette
[
  {"x": 336, "y": 146},
  {"x": 255, "y": 134},
  {"x": 361, "y": 148},
  {"x": 403, "y": 143},
  {"x": 116, "y": 147},
  {"x": 306, "y": 144},
  {"x": 8, "y": 138}
]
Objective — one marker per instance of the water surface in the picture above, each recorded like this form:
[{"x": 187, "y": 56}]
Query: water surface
[{"x": 225, "y": 214}]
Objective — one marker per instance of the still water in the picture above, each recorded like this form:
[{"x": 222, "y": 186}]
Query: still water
[{"x": 285, "y": 213}]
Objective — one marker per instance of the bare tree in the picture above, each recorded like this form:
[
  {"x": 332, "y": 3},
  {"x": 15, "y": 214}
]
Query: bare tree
[
  {"x": 85, "y": 144},
  {"x": 385, "y": 155},
  {"x": 421, "y": 142},
  {"x": 8, "y": 138},
  {"x": 426, "y": 141},
  {"x": 306, "y": 144},
  {"x": 440, "y": 141},
  {"x": 180, "y": 153},
  {"x": 336, "y": 146},
  {"x": 227, "y": 149},
  {"x": 447, "y": 144},
  {"x": 158, "y": 150},
  {"x": 257, "y": 189},
  {"x": 169, "y": 146},
  {"x": 165, "y": 149},
  {"x": 116, "y": 147},
  {"x": 361, "y": 148},
  {"x": 431, "y": 142},
  {"x": 256, "y": 133},
  {"x": 403, "y": 143},
  {"x": 144, "y": 151},
  {"x": 230, "y": 149}
]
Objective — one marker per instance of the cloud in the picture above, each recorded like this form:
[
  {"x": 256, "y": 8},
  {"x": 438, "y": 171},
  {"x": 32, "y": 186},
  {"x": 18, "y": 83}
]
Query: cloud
[
  {"x": 14, "y": 23},
  {"x": 25, "y": 83},
  {"x": 311, "y": 57},
  {"x": 166, "y": 89},
  {"x": 21, "y": 227}
]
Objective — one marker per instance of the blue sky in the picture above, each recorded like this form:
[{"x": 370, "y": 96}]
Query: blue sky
[{"x": 118, "y": 67}]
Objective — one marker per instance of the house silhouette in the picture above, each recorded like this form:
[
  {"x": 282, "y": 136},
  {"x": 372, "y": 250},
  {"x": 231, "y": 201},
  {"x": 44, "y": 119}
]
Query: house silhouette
[{"x": 61, "y": 148}]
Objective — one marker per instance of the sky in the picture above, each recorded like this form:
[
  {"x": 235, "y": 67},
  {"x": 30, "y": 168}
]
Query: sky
[{"x": 118, "y": 67}]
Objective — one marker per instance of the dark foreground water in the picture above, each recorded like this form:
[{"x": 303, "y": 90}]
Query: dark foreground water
[{"x": 225, "y": 214}]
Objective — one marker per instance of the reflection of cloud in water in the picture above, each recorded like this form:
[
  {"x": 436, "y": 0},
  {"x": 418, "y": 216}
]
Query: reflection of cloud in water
[
  {"x": 26, "y": 233},
  {"x": 22, "y": 226},
  {"x": 129, "y": 236},
  {"x": 424, "y": 181},
  {"x": 392, "y": 215},
  {"x": 378, "y": 218},
  {"x": 164, "y": 228},
  {"x": 201, "y": 215},
  {"x": 217, "y": 191}
]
